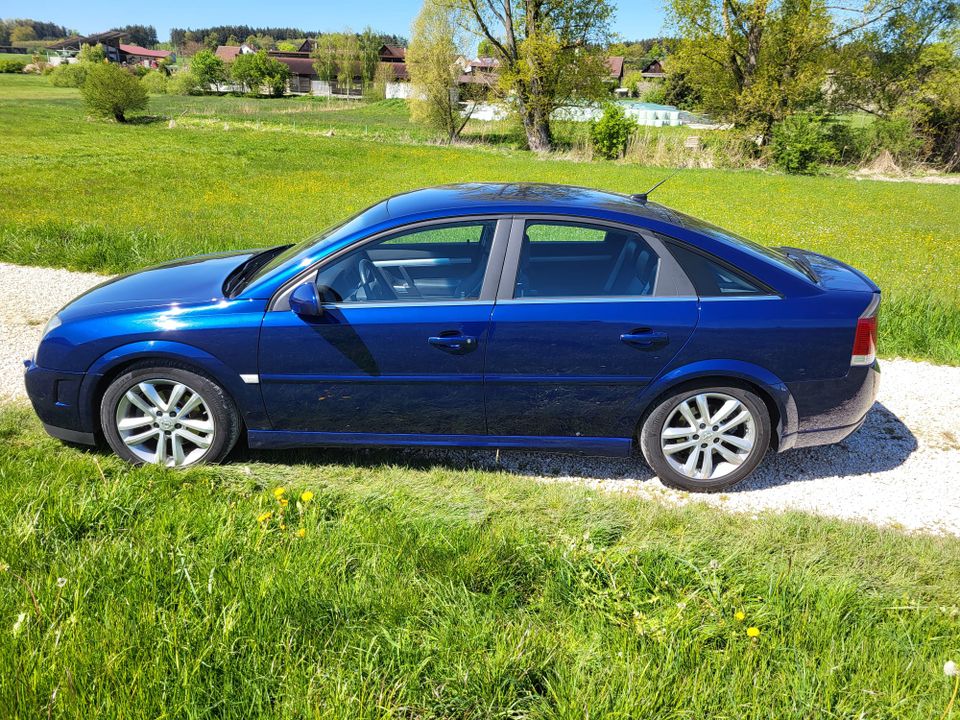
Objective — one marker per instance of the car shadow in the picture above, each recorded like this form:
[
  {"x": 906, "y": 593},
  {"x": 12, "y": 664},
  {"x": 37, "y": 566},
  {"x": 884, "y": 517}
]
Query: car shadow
[{"x": 883, "y": 442}]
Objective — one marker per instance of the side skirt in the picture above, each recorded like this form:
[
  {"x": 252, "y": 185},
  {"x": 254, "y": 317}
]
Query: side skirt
[{"x": 274, "y": 439}]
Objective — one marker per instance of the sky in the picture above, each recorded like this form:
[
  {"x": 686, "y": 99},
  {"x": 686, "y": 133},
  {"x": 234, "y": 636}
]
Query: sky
[{"x": 635, "y": 19}]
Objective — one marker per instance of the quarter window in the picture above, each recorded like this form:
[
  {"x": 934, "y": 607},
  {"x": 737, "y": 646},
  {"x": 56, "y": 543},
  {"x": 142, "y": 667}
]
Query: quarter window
[
  {"x": 712, "y": 278},
  {"x": 561, "y": 259},
  {"x": 438, "y": 262}
]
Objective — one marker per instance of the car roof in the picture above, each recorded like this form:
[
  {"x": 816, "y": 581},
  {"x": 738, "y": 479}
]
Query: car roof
[{"x": 476, "y": 198}]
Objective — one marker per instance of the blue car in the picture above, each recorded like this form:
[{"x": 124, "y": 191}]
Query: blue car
[{"x": 477, "y": 315}]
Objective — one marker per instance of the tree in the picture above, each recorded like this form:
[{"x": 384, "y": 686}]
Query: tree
[
  {"x": 436, "y": 43},
  {"x": 110, "y": 91},
  {"x": 142, "y": 35},
  {"x": 91, "y": 53},
  {"x": 752, "y": 61},
  {"x": 369, "y": 43},
  {"x": 22, "y": 33},
  {"x": 208, "y": 68},
  {"x": 258, "y": 70},
  {"x": 548, "y": 52},
  {"x": 889, "y": 62},
  {"x": 338, "y": 56}
]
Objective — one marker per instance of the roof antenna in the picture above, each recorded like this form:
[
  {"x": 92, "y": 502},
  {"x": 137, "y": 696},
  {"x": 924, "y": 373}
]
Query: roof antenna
[{"x": 642, "y": 197}]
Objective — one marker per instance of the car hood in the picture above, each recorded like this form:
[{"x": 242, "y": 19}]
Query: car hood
[{"x": 180, "y": 282}]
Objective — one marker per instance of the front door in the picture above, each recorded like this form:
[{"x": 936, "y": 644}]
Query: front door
[
  {"x": 399, "y": 346},
  {"x": 587, "y": 316}
]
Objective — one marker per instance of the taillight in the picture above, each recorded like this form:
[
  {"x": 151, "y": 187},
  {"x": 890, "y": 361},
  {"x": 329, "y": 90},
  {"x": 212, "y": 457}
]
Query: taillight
[{"x": 865, "y": 339}]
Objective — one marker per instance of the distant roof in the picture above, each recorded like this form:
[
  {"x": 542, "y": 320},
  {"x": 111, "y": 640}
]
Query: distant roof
[
  {"x": 654, "y": 67},
  {"x": 77, "y": 40},
  {"x": 615, "y": 63},
  {"x": 399, "y": 69},
  {"x": 144, "y": 52},
  {"x": 301, "y": 65},
  {"x": 228, "y": 53},
  {"x": 484, "y": 62},
  {"x": 393, "y": 51}
]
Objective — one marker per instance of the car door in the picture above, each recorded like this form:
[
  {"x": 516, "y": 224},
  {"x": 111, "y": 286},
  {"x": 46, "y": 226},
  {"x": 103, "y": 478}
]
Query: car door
[
  {"x": 587, "y": 315},
  {"x": 398, "y": 347}
]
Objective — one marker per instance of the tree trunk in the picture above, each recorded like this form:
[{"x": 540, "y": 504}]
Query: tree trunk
[{"x": 536, "y": 125}]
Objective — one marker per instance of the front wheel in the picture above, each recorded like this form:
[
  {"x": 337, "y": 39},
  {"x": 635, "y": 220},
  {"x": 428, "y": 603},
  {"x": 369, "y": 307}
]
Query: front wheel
[
  {"x": 707, "y": 438},
  {"x": 168, "y": 416}
]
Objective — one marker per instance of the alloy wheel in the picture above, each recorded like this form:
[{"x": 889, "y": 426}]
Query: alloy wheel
[
  {"x": 165, "y": 422},
  {"x": 708, "y": 435}
]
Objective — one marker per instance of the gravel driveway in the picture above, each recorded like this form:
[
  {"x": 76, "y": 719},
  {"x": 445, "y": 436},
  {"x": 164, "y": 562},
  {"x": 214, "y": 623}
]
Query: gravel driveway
[{"x": 901, "y": 468}]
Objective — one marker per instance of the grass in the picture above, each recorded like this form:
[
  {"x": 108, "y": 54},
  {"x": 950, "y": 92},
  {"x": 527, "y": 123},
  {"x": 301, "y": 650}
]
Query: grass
[
  {"x": 428, "y": 590},
  {"x": 235, "y": 172}
]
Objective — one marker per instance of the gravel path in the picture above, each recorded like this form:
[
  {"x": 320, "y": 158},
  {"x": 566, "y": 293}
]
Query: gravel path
[{"x": 902, "y": 468}]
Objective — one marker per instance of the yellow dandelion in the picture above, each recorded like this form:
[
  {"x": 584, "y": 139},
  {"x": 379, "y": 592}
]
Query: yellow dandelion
[
  {"x": 282, "y": 526},
  {"x": 279, "y": 492},
  {"x": 301, "y": 532},
  {"x": 753, "y": 632},
  {"x": 263, "y": 517},
  {"x": 306, "y": 496},
  {"x": 739, "y": 616},
  {"x": 284, "y": 502}
]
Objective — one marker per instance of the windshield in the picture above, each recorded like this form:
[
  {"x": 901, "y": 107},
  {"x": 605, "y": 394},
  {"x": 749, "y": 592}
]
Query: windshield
[
  {"x": 768, "y": 253},
  {"x": 315, "y": 242}
]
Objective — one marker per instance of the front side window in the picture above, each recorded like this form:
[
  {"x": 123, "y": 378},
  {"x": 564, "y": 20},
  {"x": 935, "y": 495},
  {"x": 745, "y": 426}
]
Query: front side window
[
  {"x": 563, "y": 259},
  {"x": 436, "y": 262}
]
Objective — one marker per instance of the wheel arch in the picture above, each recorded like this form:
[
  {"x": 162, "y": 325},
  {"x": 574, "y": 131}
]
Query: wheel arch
[
  {"x": 768, "y": 387},
  {"x": 113, "y": 363}
]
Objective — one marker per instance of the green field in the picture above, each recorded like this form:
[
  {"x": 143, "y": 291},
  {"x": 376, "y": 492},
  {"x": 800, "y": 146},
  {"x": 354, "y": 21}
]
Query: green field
[
  {"x": 206, "y": 174},
  {"x": 422, "y": 589}
]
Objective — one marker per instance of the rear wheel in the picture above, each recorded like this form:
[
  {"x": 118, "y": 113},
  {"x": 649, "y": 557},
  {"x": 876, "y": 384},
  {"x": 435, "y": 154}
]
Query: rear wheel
[
  {"x": 168, "y": 416},
  {"x": 706, "y": 438}
]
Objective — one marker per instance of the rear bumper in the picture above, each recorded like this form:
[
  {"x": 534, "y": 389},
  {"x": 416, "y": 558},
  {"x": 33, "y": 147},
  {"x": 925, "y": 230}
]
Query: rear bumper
[
  {"x": 54, "y": 395},
  {"x": 830, "y": 410}
]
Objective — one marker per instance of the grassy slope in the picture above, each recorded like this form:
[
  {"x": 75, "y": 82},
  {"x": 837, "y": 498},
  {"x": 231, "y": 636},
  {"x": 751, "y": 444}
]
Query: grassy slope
[
  {"x": 429, "y": 590},
  {"x": 91, "y": 195}
]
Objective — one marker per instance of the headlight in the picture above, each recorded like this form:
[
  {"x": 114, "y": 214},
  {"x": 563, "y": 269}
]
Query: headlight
[{"x": 51, "y": 325}]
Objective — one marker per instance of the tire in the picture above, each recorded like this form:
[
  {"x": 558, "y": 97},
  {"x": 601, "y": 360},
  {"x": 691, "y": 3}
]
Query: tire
[
  {"x": 678, "y": 420},
  {"x": 200, "y": 426}
]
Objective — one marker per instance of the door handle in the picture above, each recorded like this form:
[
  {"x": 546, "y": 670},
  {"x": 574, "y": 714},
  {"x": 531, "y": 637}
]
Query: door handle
[
  {"x": 457, "y": 344},
  {"x": 645, "y": 338}
]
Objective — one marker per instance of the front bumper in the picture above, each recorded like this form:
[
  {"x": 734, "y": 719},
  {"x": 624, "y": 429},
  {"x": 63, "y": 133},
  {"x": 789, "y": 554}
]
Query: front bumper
[{"x": 54, "y": 395}]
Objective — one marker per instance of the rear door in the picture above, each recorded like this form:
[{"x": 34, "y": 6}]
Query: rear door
[
  {"x": 587, "y": 315},
  {"x": 399, "y": 347}
]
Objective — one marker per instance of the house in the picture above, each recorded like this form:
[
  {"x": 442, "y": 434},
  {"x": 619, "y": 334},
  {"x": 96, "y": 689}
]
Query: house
[
  {"x": 228, "y": 53},
  {"x": 653, "y": 70},
  {"x": 69, "y": 48},
  {"x": 615, "y": 67},
  {"x": 136, "y": 55},
  {"x": 392, "y": 54},
  {"x": 303, "y": 74}
]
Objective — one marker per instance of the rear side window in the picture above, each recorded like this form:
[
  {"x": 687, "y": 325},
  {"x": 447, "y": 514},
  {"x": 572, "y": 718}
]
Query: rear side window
[
  {"x": 710, "y": 277},
  {"x": 570, "y": 259}
]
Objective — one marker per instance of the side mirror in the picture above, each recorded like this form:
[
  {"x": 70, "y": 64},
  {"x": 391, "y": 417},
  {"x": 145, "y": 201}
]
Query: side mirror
[{"x": 304, "y": 300}]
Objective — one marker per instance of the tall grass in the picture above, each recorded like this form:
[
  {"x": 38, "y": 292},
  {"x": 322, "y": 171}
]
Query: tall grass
[{"x": 428, "y": 590}]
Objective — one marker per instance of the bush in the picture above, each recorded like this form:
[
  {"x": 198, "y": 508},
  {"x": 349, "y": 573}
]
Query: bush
[
  {"x": 610, "y": 134},
  {"x": 12, "y": 66},
  {"x": 155, "y": 82},
  {"x": 183, "y": 83},
  {"x": 111, "y": 91},
  {"x": 801, "y": 143},
  {"x": 898, "y": 137},
  {"x": 656, "y": 94},
  {"x": 69, "y": 75}
]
